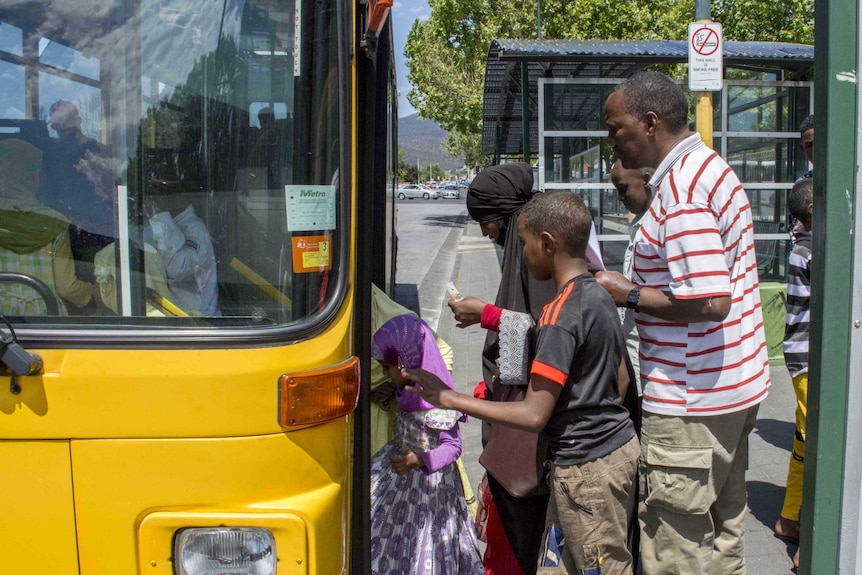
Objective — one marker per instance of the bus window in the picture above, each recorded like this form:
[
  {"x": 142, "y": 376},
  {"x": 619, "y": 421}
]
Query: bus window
[{"x": 186, "y": 154}]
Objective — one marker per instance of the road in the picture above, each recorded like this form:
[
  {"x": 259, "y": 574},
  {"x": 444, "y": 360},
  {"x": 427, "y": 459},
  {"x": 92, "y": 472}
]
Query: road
[{"x": 428, "y": 232}]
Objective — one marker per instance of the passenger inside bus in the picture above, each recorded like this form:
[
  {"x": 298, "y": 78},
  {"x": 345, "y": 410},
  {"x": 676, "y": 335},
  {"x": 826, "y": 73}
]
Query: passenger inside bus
[
  {"x": 34, "y": 239},
  {"x": 186, "y": 249},
  {"x": 80, "y": 185}
]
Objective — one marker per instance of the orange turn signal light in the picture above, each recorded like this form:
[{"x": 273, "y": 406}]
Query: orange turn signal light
[
  {"x": 319, "y": 395},
  {"x": 378, "y": 10}
]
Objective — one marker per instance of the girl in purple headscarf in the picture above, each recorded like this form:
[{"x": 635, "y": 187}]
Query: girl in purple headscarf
[{"x": 419, "y": 518}]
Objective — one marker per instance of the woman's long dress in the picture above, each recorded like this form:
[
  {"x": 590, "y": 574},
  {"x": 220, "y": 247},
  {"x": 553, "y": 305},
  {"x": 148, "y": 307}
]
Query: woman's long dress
[{"x": 420, "y": 523}]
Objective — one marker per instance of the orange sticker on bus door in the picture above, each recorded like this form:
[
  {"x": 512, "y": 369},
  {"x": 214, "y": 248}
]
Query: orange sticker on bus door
[{"x": 311, "y": 253}]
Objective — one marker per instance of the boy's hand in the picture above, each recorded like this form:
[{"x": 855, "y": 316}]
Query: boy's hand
[
  {"x": 427, "y": 385},
  {"x": 467, "y": 310},
  {"x": 407, "y": 462}
]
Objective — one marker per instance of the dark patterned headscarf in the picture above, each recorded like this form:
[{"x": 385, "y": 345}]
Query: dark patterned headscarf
[
  {"x": 499, "y": 193},
  {"x": 407, "y": 341}
]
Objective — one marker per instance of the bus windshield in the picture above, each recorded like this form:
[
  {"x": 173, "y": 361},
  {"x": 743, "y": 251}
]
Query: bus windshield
[{"x": 169, "y": 163}]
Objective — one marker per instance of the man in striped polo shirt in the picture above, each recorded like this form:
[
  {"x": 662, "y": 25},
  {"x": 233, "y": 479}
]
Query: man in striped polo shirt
[{"x": 704, "y": 363}]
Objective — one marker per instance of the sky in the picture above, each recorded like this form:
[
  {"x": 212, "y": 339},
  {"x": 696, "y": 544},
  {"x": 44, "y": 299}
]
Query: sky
[{"x": 403, "y": 14}]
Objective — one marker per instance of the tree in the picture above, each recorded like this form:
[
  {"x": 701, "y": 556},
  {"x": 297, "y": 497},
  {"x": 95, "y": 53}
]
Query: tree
[
  {"x": 404, "y": 169},
  {"x": 446, "y": 54}
]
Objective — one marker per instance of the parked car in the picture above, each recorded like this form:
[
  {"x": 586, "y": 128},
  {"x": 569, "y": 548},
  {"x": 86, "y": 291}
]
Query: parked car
[
  {"x": 411, "y": 191},
  {"x": 450, "y": 192}
]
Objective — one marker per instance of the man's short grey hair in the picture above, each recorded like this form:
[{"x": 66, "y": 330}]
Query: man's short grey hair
[
  {"x": 654, "y": 92},
  {"x": 807, "y": 124}
]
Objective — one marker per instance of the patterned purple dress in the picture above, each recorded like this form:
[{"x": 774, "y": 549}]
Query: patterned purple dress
[{"x": 420, "y": 524}]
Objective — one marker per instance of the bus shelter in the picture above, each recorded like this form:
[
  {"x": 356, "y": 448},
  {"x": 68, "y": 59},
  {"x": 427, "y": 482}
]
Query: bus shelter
[{"x": 544, "y": 104}]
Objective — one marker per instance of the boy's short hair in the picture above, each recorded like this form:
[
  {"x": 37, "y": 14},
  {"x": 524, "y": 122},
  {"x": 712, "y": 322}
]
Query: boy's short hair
[
  {"x": 801, "y": 196},
  {"x": 563, "y": 215},
  {"x": 807, "y": 124}
]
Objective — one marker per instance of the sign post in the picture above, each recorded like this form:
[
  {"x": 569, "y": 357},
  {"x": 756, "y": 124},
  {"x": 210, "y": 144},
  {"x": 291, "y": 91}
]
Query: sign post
[{"x": 705, "y": 71}]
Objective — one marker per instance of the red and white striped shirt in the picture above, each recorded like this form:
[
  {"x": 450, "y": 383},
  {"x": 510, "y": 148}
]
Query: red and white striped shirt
[{"x": 696, "y": 241}]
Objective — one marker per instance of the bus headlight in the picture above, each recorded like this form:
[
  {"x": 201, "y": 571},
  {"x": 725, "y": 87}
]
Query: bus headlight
[{"x": 224, "y": 551}]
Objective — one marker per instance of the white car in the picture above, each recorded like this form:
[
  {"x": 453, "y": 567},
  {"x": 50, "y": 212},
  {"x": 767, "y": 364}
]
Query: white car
[
  {"x": 450, "y": 194},
  {"x": 411, "y": 191}
]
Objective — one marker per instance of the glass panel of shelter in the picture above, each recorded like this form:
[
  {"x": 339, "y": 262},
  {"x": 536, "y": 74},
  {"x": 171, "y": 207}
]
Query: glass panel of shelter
[{"x": 758, "y": 138}]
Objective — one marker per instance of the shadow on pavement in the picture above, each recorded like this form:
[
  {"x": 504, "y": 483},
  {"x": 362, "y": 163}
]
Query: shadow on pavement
[
  {"x": 447, "y": 221},
  {"x": 764, "y": 502},
  {"x": 408, "y": 296},
  {"x": 776, "y": 432}
]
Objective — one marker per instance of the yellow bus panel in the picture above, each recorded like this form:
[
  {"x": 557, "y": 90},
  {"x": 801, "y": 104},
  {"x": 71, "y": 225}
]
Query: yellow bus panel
[
  {"x": 38, "y": 517},
  {"x": 131, "y": 496}
]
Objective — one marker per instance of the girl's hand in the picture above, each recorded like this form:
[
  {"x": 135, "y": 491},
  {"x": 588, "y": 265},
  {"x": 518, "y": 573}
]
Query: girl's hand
[
  {"x": 383, "y": 394},
  {"x": 407, "y": 462},
  {"x": 467, "y": 310}
]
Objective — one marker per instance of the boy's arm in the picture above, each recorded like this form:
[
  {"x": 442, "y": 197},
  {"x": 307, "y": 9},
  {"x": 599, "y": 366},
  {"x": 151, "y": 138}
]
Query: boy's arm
[
  {"x": 531, "y": 414},
  {"x": 623, "y": 377}
]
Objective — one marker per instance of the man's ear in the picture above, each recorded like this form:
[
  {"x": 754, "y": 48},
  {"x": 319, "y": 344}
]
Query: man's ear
[{"x": 650, "y": 120}]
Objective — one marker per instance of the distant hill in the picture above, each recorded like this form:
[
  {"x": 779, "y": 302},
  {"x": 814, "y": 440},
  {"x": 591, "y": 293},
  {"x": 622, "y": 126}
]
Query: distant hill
[{"x": 423, "y": 139}]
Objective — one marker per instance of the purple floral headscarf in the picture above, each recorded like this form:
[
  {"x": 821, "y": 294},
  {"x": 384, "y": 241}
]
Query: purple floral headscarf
[{"x": 409, "y": 339}]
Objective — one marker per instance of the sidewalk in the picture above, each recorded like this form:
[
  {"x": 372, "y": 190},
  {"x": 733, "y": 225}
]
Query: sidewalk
[{"x": 476, "y": 271}]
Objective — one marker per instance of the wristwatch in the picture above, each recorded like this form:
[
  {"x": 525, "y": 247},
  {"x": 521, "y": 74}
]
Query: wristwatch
[{"x": 633, "y": 298}]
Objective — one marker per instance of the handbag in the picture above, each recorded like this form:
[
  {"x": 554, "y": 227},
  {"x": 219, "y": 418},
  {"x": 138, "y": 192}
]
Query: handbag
[{"x": 516, "y": 458}]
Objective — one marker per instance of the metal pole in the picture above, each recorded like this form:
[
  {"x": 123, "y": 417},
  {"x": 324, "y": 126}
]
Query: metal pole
[
  {"x": 525, "y": 110},
  {"x": 831, "y": 484},
  {"x": 539, "y": 19},
  {"x": 703, "y": 111}
]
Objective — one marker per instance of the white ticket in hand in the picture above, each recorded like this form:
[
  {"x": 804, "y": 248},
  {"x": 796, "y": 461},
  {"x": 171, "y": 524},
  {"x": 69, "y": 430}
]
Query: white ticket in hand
[{"x": 453, "y": 291}]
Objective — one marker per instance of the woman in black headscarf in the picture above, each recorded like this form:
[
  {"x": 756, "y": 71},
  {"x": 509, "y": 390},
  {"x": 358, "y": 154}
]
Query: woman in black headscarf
[{"x": 494, "y": 200}]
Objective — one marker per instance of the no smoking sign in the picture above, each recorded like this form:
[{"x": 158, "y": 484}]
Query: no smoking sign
[{"x": 705, "y": 51}]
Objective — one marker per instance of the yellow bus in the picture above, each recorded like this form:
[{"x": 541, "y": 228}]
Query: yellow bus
[{"x": 195, "y": 198}]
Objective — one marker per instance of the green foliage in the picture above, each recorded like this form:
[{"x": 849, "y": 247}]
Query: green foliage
[
  {"x": 766, "y": 20},
  {"x": 446, "y": 54}
]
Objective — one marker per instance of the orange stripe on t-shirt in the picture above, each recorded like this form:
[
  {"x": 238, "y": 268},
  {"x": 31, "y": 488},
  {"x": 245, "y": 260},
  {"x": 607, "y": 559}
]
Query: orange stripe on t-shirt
[
  {"x": 549, "y": 372},
  {"x": 557, "y": 305}
]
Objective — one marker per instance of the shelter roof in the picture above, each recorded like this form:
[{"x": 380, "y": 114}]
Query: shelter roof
[{"x": 502, "y": 103}]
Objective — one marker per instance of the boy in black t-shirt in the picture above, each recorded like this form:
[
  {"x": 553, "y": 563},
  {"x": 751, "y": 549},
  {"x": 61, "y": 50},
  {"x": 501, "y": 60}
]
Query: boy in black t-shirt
[{"x": 577, "y": 381}]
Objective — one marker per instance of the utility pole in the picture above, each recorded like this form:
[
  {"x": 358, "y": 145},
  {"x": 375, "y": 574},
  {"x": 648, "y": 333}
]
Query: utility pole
[{"x": 539, "y": 19}]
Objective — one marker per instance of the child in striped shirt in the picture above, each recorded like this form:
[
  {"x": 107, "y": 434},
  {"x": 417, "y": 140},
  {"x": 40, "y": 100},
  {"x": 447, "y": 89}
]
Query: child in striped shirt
[{"x": 801, "y": 204}]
